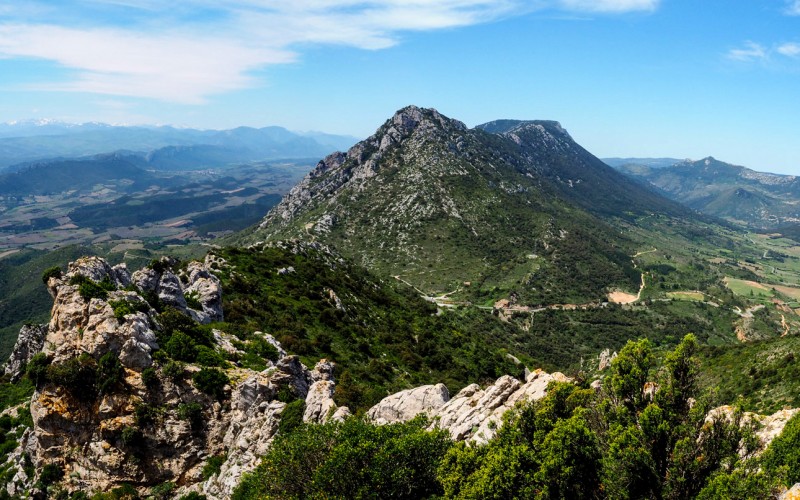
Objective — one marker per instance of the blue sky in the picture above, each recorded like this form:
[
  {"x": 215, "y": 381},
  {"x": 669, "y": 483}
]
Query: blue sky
[{"x": 678, "y": 78}]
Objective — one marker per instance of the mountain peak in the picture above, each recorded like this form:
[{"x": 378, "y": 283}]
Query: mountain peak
[{"x": 410, "y": 118}]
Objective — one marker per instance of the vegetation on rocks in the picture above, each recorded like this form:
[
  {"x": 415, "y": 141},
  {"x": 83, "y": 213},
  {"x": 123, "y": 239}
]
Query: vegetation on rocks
[{"x": 619, "y": 441}]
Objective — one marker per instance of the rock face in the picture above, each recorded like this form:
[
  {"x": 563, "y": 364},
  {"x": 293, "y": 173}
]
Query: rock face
[
  {"x": 770, "y": 426},
  {"x": 405, "y": 405},
  {"x": 473, "y": 414},
  {"x": 29, "y": 342}
]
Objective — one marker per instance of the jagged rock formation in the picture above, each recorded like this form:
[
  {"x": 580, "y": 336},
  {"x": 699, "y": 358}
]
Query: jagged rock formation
[
  {"x": 406, "y": 405},
  {"x": 474, "y": 414},
  {"x": 155, "y": 427},
  {"x": 29, "y": 342},
  {"x": 770, "y": 426}
]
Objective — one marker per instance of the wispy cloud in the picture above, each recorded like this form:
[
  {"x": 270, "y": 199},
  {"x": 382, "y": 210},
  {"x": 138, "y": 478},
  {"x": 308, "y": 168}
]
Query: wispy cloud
[
  {"x": 789, "y": 49},
  {"x": 756, "y": 52},
  {"x": 751, "y": 51},
  {"x": 793, "y": 8},
  {"x": 187, "y": 51},
  {"x": 613, "y": 6}
]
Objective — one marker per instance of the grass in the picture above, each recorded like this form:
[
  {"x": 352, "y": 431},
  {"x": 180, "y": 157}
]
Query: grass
[
  {"x": 749, "y": 288},
  {"x": 690, "y": 296}
]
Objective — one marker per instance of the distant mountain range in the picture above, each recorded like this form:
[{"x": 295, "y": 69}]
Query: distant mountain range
[
  {"x": 161, "y": 147},
  {"x": 731, "y": 192}
]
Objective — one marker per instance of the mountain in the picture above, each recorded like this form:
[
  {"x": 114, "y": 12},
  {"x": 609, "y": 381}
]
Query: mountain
[
  {"x": 73, "y": 175},
  {"x": 647, "y": 162},
  {"x": 509, "y": 207},
  {"x": 23, "y": 142},
  {"x": 731, "y": 192}
]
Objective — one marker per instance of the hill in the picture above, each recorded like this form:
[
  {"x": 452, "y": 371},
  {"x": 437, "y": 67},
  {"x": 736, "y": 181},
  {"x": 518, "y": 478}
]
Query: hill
[{"x": 737, "y": 194}]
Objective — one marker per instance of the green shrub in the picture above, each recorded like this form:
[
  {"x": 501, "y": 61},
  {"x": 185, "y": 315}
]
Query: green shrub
[
  {"x": 193, "y": 496},
  {"x": 193, "y": 412},
  {"x": 211, "y": 381},
  {"x": 174, "y": 370},
  {"x": 51, "y": 272},
  {"x": 125, "y": 492},
  {"x": 51, "y": 474},
  {"x": 207, "y": 356},
  {"x": 353, "y": 459},
  {"x": 146, "y": 414},
  {"x": 124, "y": 307},
  {"x": 784, "y": 452},
  {"x": 149, "y": 377},
  {"x": 193, "y": 301},
  {"x": 37, "y": 369},
  {"x": 260, "y": 347},
  {"x": 162, "y": 491},
  {"x": 131, "y": 437},
  {"x": 292, "y": 416},
  {"x": 110, "y": 372},
  {"x": 76, "y": 375},
  {"x": 181, "y": 347},
  {"x": 213, "y": 466},
  {"x": 89, "y": 289}
]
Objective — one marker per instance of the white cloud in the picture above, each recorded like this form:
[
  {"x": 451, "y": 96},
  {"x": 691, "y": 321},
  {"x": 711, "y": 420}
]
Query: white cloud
[
  {"x": 614, "y": 6},
  {"x": 789, "y": 49},
  {"x": 793, "y": 8},
  {"x": 750, "y": 52},
  {"x": 186, "y": 51}
]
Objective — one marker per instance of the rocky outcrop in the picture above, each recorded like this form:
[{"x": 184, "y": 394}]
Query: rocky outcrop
[
  {"x": 769, "y": 426},
  {"x": 29, "y": 343},
  {"x": 405, "y": 405},
  {"x": 195, "y": 291},
  {"x": 473, "y": 414},
  {"x": 606, "y": 357},
  {"x": 255, "y": 415},
  {"x": 791, "y": 494}
]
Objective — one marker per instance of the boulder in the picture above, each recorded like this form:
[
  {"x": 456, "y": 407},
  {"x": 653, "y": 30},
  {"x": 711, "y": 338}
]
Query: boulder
[{"x": 405, "y": 405}]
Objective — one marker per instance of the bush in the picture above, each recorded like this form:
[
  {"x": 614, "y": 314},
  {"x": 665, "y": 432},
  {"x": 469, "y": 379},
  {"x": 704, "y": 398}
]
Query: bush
[
  {"x": 51, "y": 272},
  {"x": 77, "y": 375},
  {"x": 89, "y": 289},
  {"x": 109, "y": 372},
  {"x": 213, "y": 466},
  {"x": 124, "y": 307},
  {"x": 181, "y": 347},
  {"x": 193, "y": 301},
  {"x": 193, "y": 412},
  {"x": 145, "y": 414},
  {"x": 207, "y": 356},
  {"x": 784, "y": 451},
  {"x": 37, "y": 369},
  {"x": 353, "y": 459},
  {"x": 260, "y": 347},
  {"x": 162, "y": 491},
  {"x": 193, "y": 496},
  {"x": 131, "y": 437},
  {"x": 292, "y": 416},
  {"x": 51, "y": 474},
  {"x": 149, "y": 377},
  {"x": 211, "y": 381},
  {"x": 174, "y": 370}
]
